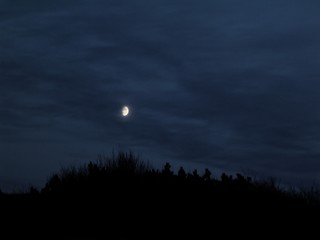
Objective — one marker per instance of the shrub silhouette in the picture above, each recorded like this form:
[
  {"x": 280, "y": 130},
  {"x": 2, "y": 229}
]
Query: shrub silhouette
[{"x": 124, "y": 197}]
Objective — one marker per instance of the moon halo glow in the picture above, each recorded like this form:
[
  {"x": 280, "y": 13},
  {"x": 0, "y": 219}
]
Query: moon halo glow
[{"x": 125, "y": 111}]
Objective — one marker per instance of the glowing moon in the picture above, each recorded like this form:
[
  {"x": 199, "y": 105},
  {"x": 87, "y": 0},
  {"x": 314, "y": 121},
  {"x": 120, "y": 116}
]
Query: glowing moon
[{"x": 125, "y": 111}]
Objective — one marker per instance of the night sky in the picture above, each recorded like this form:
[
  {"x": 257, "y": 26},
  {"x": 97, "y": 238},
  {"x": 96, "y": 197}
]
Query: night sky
[{"x": 232, "y": 85}]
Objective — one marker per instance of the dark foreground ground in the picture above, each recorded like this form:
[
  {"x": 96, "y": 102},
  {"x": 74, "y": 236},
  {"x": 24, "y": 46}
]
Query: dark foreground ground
[{"x": 123, "y": 198}]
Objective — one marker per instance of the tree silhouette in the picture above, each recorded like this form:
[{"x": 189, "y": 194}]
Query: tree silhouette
[
  {"x": 207, "y": 174},
  {"x": 167, "y": 170},
  {"x": 182, "y": 173}
]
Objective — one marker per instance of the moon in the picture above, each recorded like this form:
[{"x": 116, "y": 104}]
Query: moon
[{"x": 125, "y": 111}]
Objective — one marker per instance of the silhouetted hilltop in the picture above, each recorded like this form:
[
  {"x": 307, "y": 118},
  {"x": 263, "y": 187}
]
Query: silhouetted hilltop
[{"x": 123, "y": 197}]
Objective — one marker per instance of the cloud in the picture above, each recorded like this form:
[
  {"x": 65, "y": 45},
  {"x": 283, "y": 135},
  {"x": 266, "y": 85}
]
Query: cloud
[{"x": 227, "y": 84}]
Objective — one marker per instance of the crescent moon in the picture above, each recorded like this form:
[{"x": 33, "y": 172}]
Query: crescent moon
[{"x": 125, "y": 111}]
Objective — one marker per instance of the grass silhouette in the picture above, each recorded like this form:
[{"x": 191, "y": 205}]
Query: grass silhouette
[{"x": 123, "y": 197}]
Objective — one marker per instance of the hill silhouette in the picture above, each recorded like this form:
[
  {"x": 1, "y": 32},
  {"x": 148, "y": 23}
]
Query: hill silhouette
[{"x": 122, "y": 197}]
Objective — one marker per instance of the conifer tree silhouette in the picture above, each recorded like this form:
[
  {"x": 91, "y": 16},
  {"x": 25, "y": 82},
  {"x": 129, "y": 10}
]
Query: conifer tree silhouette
[
  {"x": 182, "y": 173},
  {"x": 207, "y": 174}
]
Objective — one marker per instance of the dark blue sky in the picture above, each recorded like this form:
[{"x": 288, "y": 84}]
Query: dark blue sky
[{"x": 226, "y": 84}]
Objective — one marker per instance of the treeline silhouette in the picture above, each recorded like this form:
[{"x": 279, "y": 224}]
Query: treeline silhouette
[{"x": 123, "y": 197}]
